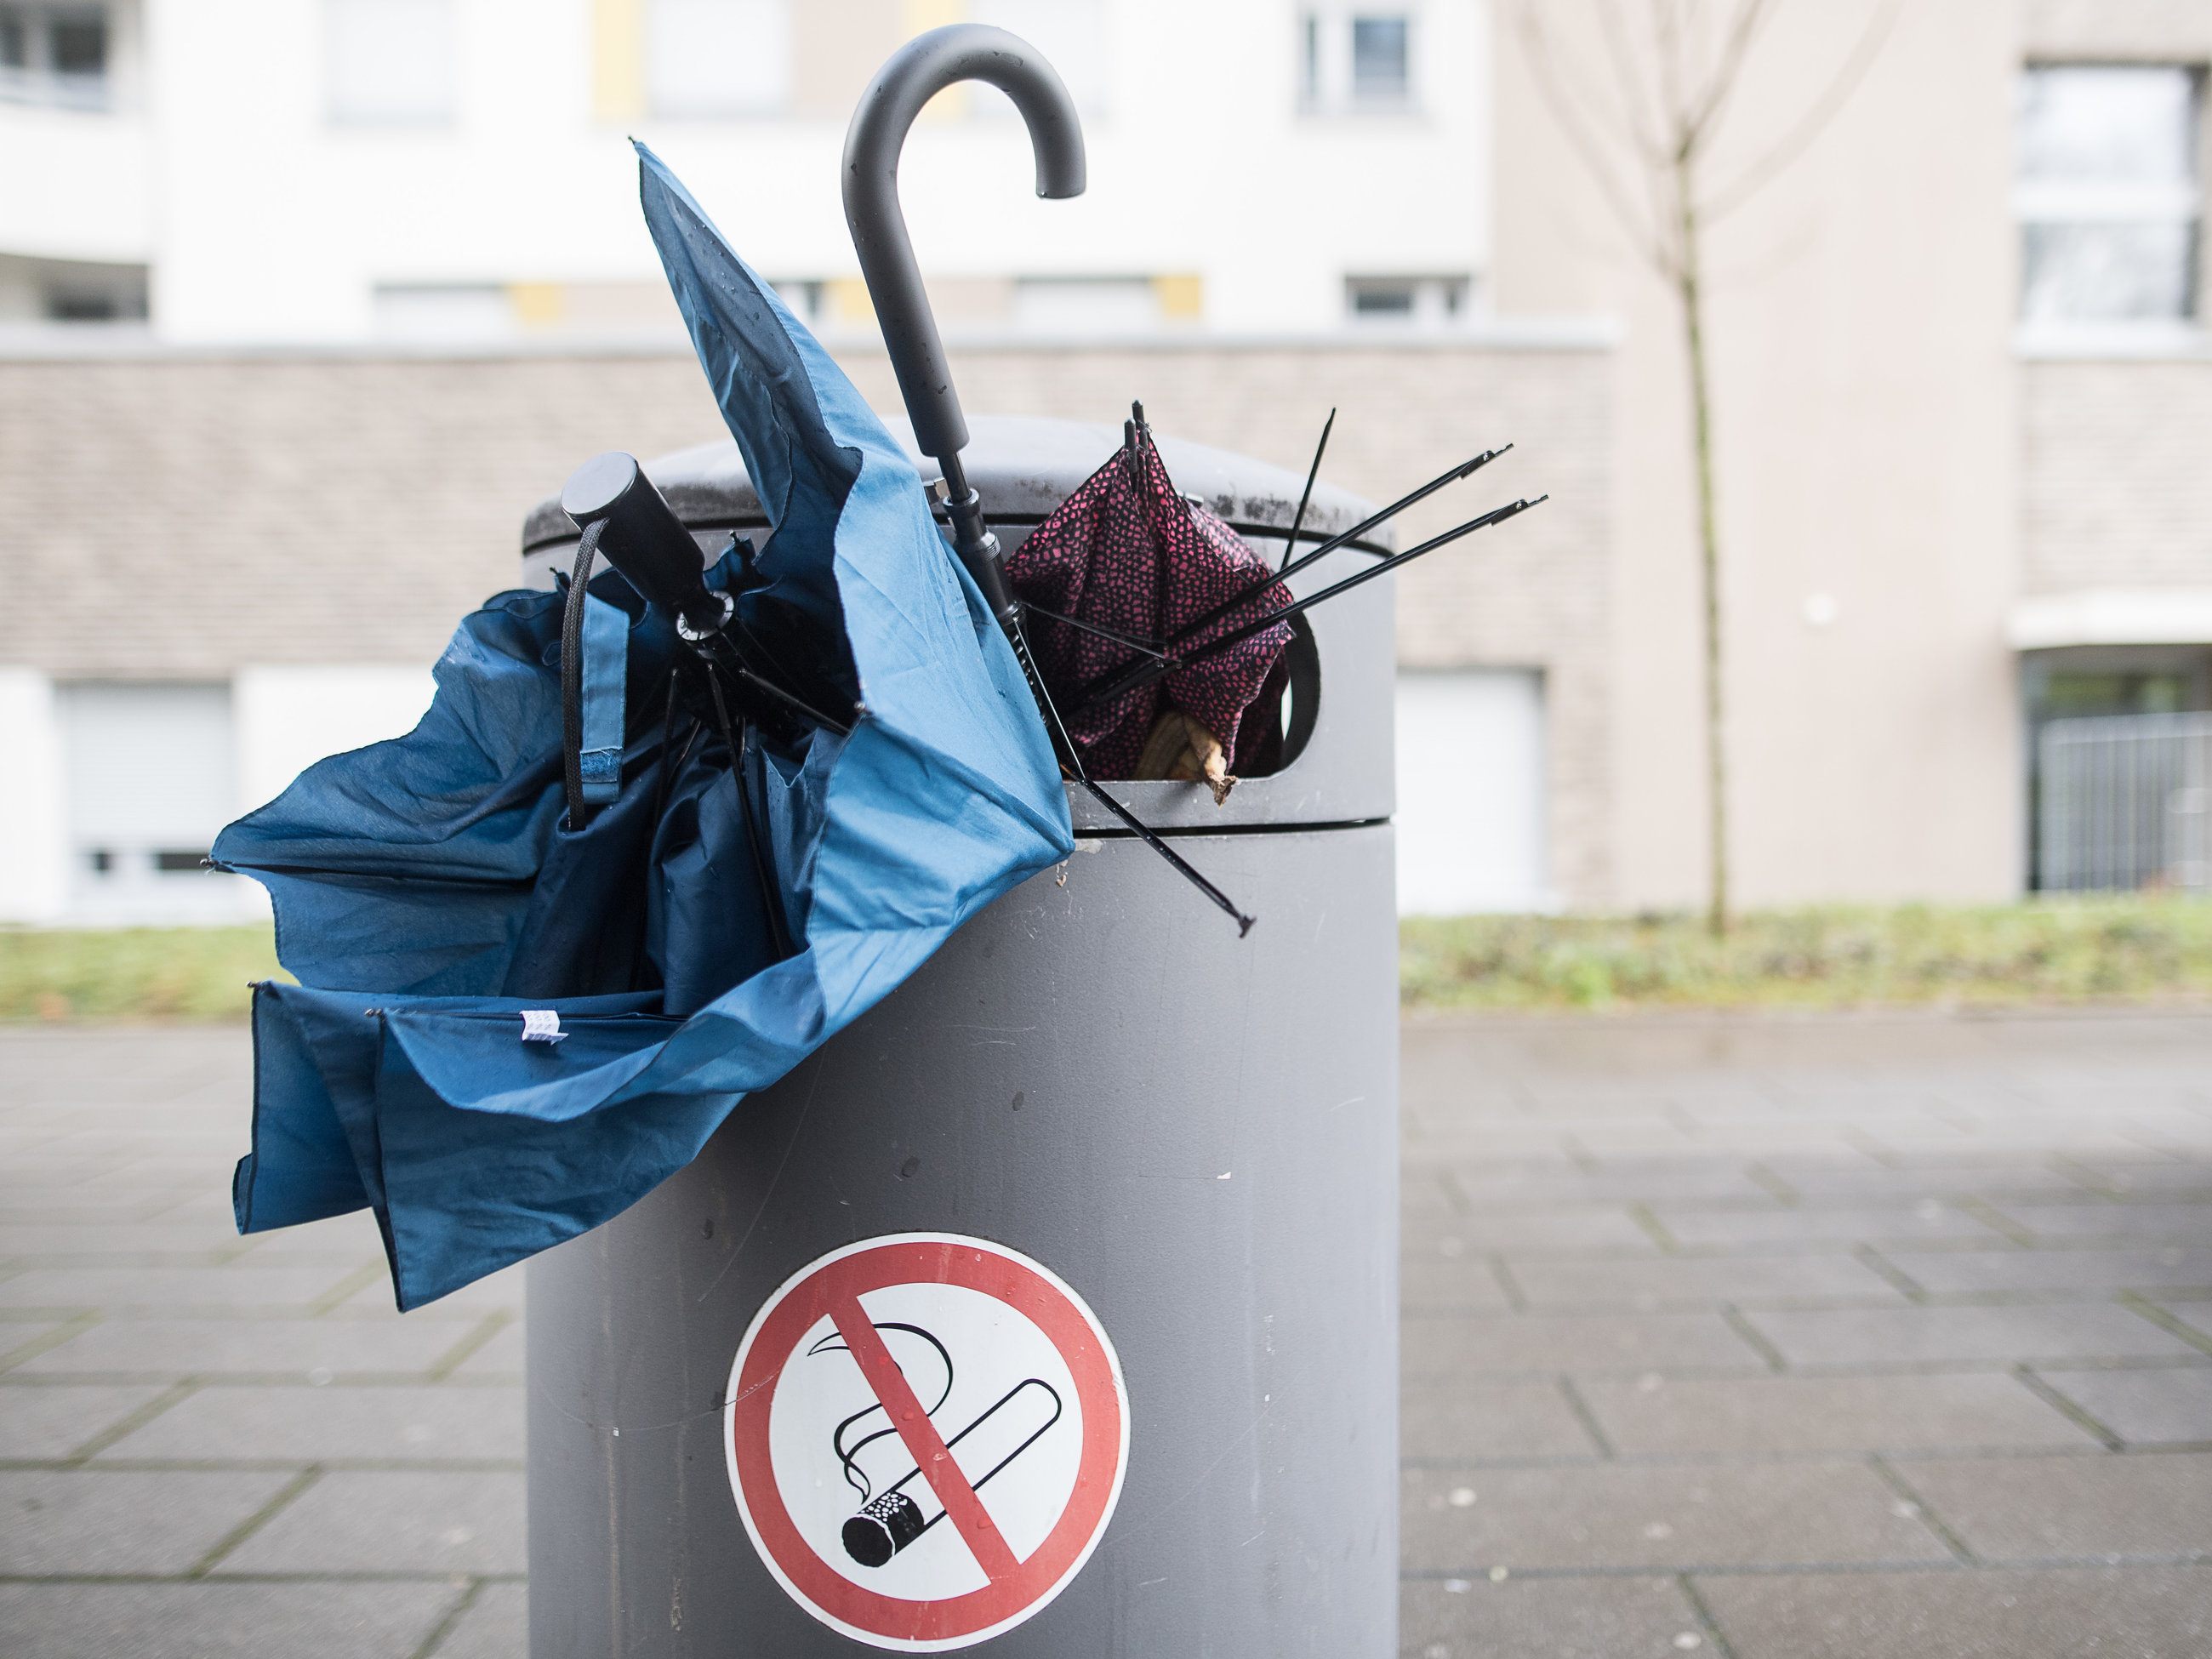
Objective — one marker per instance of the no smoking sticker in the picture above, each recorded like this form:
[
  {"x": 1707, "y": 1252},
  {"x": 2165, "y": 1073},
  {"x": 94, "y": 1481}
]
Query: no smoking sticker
[{"x": 926, "y": 1435}]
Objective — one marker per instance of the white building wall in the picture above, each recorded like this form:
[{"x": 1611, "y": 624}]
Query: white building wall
[
  {"x": 269, "y": 219},
  {"x": 1472, "y": 785},
  {"x": 33, "y": 835},
  {"x": 100, "y": 765},
  {"x": 289, "y": 717}
]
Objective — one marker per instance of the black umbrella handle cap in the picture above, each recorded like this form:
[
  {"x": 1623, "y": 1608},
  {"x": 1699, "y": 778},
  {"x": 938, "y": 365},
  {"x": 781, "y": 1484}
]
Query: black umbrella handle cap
[
  {"x": 913, "y": 74},
  {"x": 644, "y": 539}
]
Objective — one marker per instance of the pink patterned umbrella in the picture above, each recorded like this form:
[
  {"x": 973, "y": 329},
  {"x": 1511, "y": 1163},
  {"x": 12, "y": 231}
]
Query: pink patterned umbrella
[{"x": 1119, "y": 569}]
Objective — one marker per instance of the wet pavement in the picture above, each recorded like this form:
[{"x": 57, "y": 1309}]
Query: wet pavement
[{"x": 1802, "y": 1338}]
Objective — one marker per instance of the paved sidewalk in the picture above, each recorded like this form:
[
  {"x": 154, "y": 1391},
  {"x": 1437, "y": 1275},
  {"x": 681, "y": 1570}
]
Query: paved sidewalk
[
  {"x": 1790, "y": 1340},
  {"x": 1820, "y": 1340}
]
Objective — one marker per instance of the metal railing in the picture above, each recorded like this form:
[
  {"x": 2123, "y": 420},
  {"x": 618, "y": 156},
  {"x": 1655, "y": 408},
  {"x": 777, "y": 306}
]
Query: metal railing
[{"x": 2124, "y": 801}]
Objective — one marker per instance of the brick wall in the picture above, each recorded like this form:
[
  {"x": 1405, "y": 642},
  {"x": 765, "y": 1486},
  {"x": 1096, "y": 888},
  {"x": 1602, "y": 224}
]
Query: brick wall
[
  {"x": 2116, "y": 482},
  {"x": 178, "y": 516}
]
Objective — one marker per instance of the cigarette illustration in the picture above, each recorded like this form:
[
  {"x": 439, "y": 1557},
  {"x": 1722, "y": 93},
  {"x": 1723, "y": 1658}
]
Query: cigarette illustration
[
  {"x": 909, "y": 1508},
  {"x": 890, "y": 1520}
]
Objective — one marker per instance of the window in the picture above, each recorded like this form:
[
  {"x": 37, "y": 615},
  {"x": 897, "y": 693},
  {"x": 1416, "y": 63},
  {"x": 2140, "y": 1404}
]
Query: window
[
  {"x": 1086, "y": 304},
  {"x": 436, "y": 313},
  {"x": 1355, "y": 61},
  {"x": 391, "y": 63},
  {"x": 1380, "y": 66},
  {"x": 2108, "y": 194},
  {"x": 1419, "y": 301},
  {"x": 54, "y": 54},
  {"x": 71, "y": 291},
  {"x": 708, "y": 58},
  {"x": 151, "y": 778}
]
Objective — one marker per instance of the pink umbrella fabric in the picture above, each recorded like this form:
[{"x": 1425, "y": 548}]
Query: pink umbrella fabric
[{"x": 1125, "y": 552}]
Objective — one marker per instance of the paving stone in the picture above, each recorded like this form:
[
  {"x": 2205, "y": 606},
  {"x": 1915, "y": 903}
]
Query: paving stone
[
  {"x": 2181, "y": 1224},
  {"x": 1885, "y": 1336},
  {"x": 209, "y": 1205},
  {"x": 2143, "y": 1408},
  {"x": 1555, "y": 1618},
  {"x": 391, "y": 1521},
  {"x": 1436, "y": 1284},
  {"x": 2166, "y": 1180},
  {"x": 1656, "y": 1515},
  {"x": 1870, "y": 1182},
  {"x": 92, "y": 1241},
  {"x": 165, "y": 1181},
  {"x": 1524, "y": 1138},
  {"x": 1609, "y": 1139},
  {"x": 19, "y": 1336},
  {"x": 221, "y": 1621},
  {"x": 1487, "y": 1190},
  {"x": 2138, "y": 1613},
  {"x": 1697, "y": 1279},
  {"x": 1422, "y": 1191},
  {"x": 113, "y": 1521},
  {"x": 1578, "y": 1228},
  {"x": 496, "y": 1626},
  {"x": 500, "y": 1292},
  {"x": 1457, "y": 1347},
  {"x": 41, "y": 1202},
  {"x": 422, "y": 1423},
  {"x": 52, "y": 1421},
  {"x": 1826, "y": 1414},
  {"x": 339, "y": 1238},
  {"x": 1467, "y": 1420},
  {"x": 175, "y": 1347},
  {"x": 1973, "y": 1271},
  {"x": 1813, "y": 1226},
  {"x": 2036, "y": 1507},
  {"x": 171, "y": 1289},
  {"x": 501, "y": 1357}
]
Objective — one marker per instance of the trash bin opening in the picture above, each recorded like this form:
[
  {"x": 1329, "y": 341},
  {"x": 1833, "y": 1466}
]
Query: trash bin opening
[{"x": 1291, "y": 722}]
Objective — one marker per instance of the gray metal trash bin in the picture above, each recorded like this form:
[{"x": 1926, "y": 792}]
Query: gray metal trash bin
[{"x": 1192, "y": 1135}]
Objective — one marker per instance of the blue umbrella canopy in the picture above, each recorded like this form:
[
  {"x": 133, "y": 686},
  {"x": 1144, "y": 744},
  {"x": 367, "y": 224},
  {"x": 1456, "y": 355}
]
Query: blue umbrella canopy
[{"x": 508, "y": 1028}]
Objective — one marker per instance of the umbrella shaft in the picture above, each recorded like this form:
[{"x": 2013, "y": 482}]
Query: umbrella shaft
[{"x": 973, "y": 542}]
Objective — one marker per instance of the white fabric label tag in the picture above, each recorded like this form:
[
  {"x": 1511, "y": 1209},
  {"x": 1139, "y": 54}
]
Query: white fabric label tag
[{"x": 542, "y": 1025}]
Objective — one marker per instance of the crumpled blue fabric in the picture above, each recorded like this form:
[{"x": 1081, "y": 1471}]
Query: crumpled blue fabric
[{"x": 428, "y": 890}]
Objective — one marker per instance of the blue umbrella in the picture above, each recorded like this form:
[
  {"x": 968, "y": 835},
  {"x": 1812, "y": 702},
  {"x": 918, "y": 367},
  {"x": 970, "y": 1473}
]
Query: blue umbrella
[{"x": 514, "y": 1018}]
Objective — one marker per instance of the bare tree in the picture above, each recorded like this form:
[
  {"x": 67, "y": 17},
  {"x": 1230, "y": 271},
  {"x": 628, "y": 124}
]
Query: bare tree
[{"x": 1644, "y": 123}]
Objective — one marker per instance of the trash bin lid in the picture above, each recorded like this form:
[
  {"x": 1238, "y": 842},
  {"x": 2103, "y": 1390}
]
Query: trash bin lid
[
  {"x": 1025, "y": 467},
  {"x": 1022, "y": 467}
]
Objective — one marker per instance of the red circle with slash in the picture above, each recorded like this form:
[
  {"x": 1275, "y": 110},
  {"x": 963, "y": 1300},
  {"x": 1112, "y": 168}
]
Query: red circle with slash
[{"x": 1018, "y": 1587}]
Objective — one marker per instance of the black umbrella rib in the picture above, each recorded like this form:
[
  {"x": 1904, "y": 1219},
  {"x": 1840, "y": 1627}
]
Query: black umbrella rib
[
  {"x": 1152, "y": 839},
  {"x": 1150, "y": 648},
  {"x": 1299, "y": 518},
  {"x": 1145, "y": 674},
  {"x": 771, "y": 895},
  {"x": 731, "y": 656},
  {"x": 1090, "y": 695},
  {"x": 1465, "y": 469},
  {"x": 1072, "y": 762}
]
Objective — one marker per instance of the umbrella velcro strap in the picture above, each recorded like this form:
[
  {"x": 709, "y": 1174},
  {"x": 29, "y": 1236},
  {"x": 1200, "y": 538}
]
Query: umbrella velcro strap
[
  {"x": 594, "y": 655},
  {"x": 606, "y": 669}
]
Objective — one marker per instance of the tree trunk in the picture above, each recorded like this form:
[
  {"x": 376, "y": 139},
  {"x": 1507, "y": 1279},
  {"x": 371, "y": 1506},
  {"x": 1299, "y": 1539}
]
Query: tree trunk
[{"x": 1690, "y": 288}]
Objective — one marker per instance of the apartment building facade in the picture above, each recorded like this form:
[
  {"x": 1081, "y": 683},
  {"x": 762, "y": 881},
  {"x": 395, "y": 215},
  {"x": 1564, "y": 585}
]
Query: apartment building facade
[{"x": 305, "y": 303}]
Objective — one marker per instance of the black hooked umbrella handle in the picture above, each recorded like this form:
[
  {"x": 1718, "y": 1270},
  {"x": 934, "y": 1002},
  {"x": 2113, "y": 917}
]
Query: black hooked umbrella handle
[
  {"x": 913, "y": 74},
  {"x": 641, "y": 537}
]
